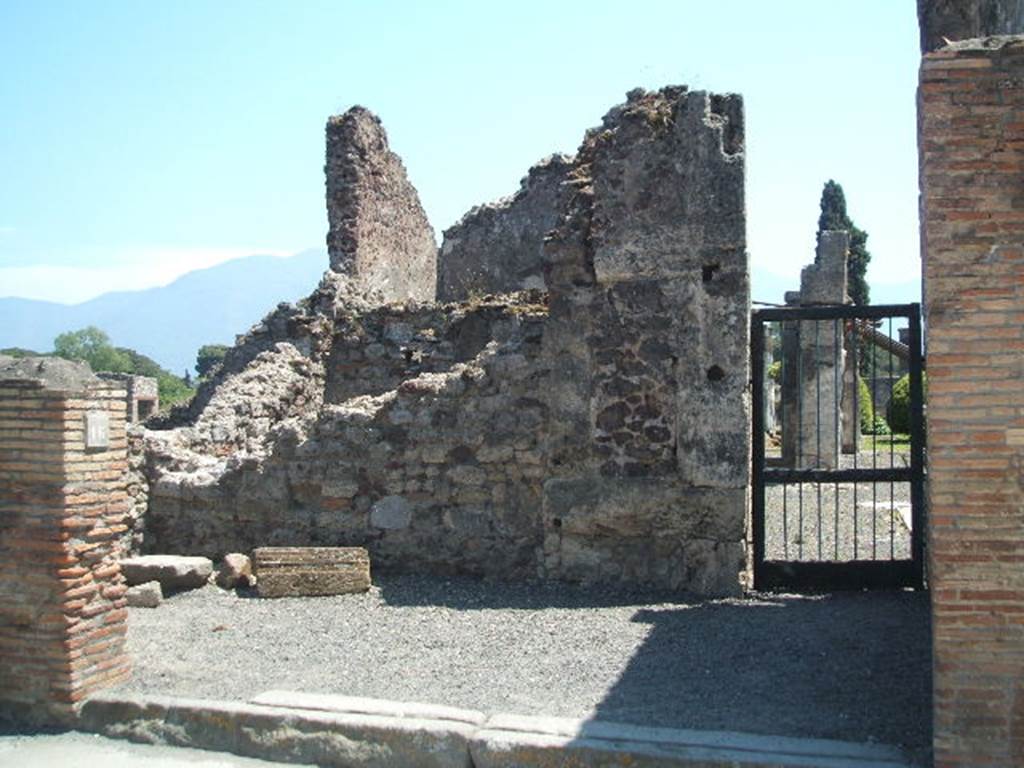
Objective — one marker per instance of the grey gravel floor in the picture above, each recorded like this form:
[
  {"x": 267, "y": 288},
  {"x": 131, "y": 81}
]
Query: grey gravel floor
[
  {"x": 851, "y": 666},
  {"x": 840, "y": 521}
]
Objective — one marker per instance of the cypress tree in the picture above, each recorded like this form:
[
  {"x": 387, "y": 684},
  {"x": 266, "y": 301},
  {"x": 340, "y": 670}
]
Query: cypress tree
[{"x": 834, "y": 216}]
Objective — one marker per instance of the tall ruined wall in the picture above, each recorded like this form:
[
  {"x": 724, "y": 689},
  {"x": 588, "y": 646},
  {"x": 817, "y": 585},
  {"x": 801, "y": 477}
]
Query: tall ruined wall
[
  {"x": 649, "y": 328},
  {"x": 603, "y": 438},
  {"x": 971, "y": 103},
  {"x": 499, "y": 247},
  {"x": 379, "y": 234}
]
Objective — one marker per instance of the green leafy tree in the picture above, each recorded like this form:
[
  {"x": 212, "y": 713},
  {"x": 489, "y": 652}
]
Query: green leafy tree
[
  {"x": 19, "y": 352},
  {"x": 834, "y": 216},
  {"x": 171, "y": 388},
  {"x": 92, "y": 346},
  {"x": 898, "y": 412},
  {"x": 208, "y": 357}
]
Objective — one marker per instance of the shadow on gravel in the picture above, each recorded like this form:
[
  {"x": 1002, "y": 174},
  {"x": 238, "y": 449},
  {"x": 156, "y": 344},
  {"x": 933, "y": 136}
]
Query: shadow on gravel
[
  {"x": 467, "y": 593},
  {"x": 849, "y": 666}
]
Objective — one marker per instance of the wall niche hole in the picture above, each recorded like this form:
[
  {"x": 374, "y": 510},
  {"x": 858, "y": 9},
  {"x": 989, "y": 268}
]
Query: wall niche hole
[
  {"x": 557, "y": 522},
  {"x": 707, "y": 272},
  {"x": 715, "y": 373}
]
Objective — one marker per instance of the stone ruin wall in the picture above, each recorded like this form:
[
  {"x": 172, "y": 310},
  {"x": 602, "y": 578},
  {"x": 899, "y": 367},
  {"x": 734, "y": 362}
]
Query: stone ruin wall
[
  {"x": 499, "y": 247},
  {"x": 378, "y": 231},
  {"x": 598, "y": 432}
]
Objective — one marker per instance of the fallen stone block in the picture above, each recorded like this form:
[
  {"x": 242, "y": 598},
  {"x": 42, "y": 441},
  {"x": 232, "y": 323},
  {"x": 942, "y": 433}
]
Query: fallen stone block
[
  {"x": 310, "y": 571},
  {"x": 235, "y": 571},
  {"x": 148, "y": 595},
  {"x": 172, "y": 571}
]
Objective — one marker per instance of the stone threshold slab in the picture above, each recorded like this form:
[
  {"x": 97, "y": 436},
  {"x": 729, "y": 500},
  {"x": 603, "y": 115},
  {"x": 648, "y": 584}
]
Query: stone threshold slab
[{"x": 330, "y": 730}]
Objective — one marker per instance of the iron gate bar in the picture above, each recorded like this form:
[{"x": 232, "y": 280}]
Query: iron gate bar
[
  {"x": 826, "y": 576},
  {"x": 836, "y": 574},
  {"x": 841, "y": 311},
  {"x": 777, "y": 475}
]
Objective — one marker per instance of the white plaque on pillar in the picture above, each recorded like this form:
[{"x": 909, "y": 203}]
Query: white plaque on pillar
[{"x": 97, "y": 429}]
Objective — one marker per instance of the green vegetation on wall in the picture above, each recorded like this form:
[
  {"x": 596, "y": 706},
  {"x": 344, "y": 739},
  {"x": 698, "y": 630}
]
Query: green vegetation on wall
[
  {"x": 93, "y": 346},
  {"x": 898, "y": 412},
  {"x": 834, "y": 216}
]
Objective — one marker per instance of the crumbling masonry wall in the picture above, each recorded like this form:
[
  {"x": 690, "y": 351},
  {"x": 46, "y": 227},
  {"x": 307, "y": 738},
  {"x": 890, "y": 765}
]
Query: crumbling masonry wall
[
  {"x": 596, "y": 432},
  {"x": 971, "y": 103},
  {"x": 378, "y": 232},
  {"x": 648, "y": 333},
  {"x": 499, "y": 247}
]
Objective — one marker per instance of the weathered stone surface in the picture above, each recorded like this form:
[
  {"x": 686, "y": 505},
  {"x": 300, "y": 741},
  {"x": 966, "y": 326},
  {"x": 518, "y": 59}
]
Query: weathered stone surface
[
  {"x": 310, "y": 571},
  {"x": 379, "y": 234},
  {"x": 815, "y": 384},
  {"x": 277, "y": 733},
  {"x": 956, "y": 20},
  {"x": 148, "y": 595},
  {"x": 431, "y": 434},
  {"x": 391, "y": 512},
  {"x": 341, "y": 731},
  {"x": 649, "y": 327},
  {"x": 516, "y": 740},
  {"x": 235, "y": 571},
  {"x": 499, "y": 247},
  {"x": 171, "y": 571},
  {"x": 52, "y": 372},
  {"x": 359, "y": 705}
]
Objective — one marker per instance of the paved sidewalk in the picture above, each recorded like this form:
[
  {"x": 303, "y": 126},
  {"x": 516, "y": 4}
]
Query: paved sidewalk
[{"x": 83, "y": 749}]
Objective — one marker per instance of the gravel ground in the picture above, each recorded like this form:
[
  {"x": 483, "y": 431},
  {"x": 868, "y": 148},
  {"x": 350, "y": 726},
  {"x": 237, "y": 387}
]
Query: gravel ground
[
  {"x": 851, "y": 666},
  {"x": 840, "y": 521}
]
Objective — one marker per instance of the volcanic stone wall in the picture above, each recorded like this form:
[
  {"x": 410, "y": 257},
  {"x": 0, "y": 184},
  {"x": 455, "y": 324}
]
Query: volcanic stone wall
[
  {"x": 435, "y": 464},
  {"x": 499, "y": 247},
  {"x": 379, "y": 234},
  {"x": 648, "y": 333},
  {"x": 597, "y": 432},
  {"x": 972, "y": 163}
]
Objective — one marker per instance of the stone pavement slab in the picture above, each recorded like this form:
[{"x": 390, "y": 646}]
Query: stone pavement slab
[{"x": 53, "y": 750}]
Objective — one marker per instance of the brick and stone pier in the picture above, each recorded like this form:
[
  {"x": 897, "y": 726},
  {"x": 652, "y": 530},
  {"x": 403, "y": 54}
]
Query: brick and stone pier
[
  {"x": 972, "y": 160},
  {"x": 63, "y": 457}
]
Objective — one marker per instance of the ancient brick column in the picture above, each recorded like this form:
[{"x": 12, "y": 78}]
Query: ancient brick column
[
  {"x": 972, "y": 185},
  {"x": 63, "y": 500}
]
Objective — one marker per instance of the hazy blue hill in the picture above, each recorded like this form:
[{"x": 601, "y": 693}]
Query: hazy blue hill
[
  {"x": 212, "y": 306},
  {"x": 208, "y": 306}
]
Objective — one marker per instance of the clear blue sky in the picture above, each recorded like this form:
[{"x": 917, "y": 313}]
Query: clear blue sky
[{"x": 142, "y": 139}]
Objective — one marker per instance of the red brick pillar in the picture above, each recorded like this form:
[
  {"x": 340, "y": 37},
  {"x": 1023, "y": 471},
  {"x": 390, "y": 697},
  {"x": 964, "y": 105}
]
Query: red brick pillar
[
  {"x": 62, "y": 508},
  {"x": 972, "y": 185}
]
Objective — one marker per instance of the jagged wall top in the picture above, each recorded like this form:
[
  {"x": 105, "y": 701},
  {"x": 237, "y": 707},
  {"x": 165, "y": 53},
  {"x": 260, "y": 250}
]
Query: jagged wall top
[{"x": 379, "y": 235}]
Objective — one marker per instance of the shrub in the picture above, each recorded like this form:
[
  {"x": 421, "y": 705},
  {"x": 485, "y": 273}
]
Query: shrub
[
  {"x": 898, "y": 412},
  {"x": 867, "y": 408},
  {"x": 775, "y": 371}
]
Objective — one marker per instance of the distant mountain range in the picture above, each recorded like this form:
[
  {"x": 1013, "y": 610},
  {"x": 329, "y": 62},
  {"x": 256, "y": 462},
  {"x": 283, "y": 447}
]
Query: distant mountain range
[
  {"x": 212, "y": 306},
  {"x": 170, "y": 323}
]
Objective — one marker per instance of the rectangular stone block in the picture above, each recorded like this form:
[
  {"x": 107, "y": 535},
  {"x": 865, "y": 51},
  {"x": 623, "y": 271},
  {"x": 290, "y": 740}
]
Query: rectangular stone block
[{"x": 310, "y": 571}]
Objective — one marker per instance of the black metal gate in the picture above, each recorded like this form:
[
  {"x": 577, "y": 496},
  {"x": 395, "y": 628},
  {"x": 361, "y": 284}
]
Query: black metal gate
[{"x": 836, "y": 506}]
